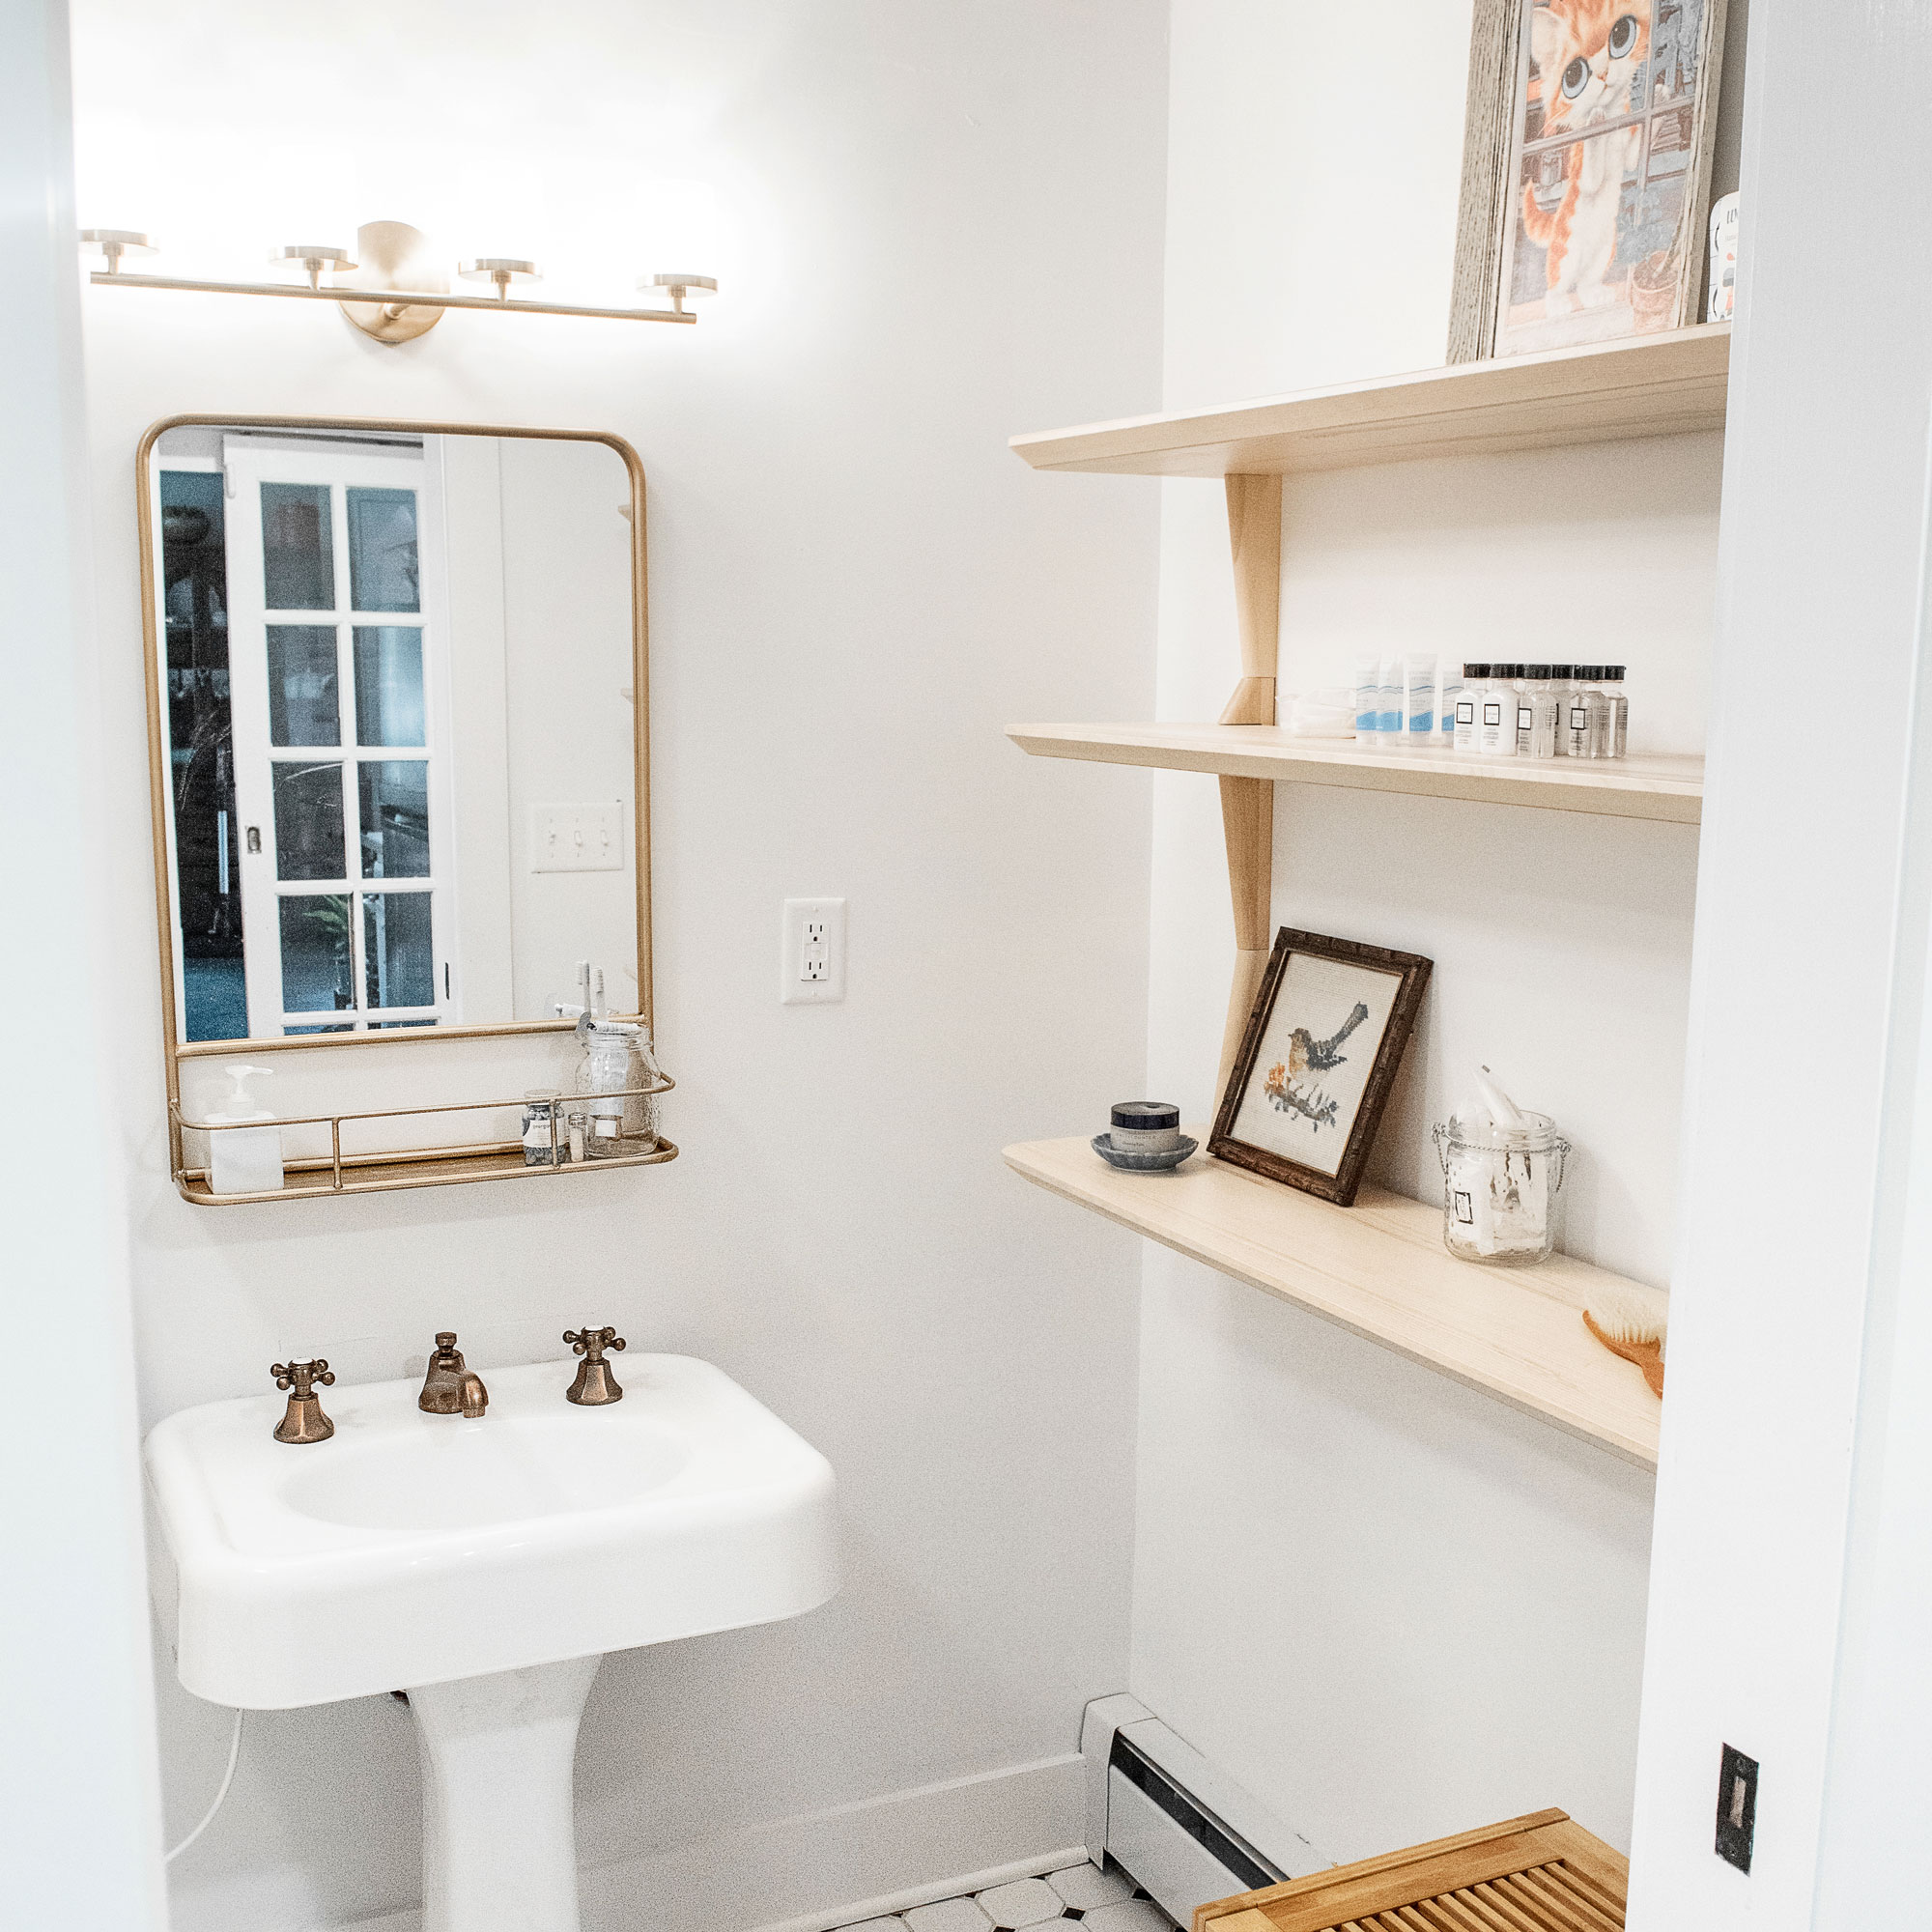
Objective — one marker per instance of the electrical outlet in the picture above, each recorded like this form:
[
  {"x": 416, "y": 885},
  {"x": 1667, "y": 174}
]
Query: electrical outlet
[
  {"x": 577, "y": 838},
  {"x": 811, "y": 957},
  {"x": 1737, "y": 1808}
]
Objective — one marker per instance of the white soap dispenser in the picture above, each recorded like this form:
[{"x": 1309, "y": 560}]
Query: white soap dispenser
[{"x": 243, "y": 1158}]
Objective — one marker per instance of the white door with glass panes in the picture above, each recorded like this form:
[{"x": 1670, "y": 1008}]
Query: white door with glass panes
[{"x": 337, "y": 669}]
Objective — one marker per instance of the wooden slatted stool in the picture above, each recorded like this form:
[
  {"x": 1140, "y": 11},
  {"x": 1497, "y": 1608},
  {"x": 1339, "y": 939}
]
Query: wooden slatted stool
[{"x": 1537, "y": 1874}]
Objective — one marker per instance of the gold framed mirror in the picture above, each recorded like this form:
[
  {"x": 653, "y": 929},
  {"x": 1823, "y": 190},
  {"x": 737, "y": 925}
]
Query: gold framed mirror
[{"x": 399, "y": 755}]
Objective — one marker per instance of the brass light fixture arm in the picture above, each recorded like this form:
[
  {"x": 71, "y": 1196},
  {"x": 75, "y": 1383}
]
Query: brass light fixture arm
[{"x": 392, "y": 298}]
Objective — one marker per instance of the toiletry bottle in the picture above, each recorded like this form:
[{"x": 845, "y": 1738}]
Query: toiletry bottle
[
  {"x": 1620, "y": 710},
  {"x": 1389, "y": 706},
  {"x": 1520, "y": 692},
  {"x": 1446, "y": 704},
  {"x": 1420, "y": 673},
  {"x": 1586, "y": 714},
  {"x": 1541, "y": 701},
  {"x": 1562, "y": 681},
  {"x": 243, "y": 1158},
  {"x": 1368, "y": 701},
  {"x": 1497, "y": 737},
  {"x": 1468, "y": 707}
]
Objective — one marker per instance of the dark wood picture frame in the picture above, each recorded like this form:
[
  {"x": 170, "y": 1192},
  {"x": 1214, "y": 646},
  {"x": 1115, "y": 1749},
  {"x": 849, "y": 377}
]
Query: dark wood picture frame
[{"x": 1412, "y": 970}]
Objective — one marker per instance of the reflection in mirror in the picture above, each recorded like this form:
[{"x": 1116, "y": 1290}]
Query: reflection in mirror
[{"x": 393, "y": 663}]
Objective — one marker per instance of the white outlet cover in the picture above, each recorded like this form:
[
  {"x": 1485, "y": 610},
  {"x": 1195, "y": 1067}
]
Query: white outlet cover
[
  {"x": 577, "y": 838},
  {"x": 811, "y": 973}
]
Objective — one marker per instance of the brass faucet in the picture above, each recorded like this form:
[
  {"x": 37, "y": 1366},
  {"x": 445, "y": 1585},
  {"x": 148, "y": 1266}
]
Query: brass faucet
[
  {"x": 595, "y": 1384},
  {"x": 305, "y": 1421},
  {"x": 449, "y": 1388}
]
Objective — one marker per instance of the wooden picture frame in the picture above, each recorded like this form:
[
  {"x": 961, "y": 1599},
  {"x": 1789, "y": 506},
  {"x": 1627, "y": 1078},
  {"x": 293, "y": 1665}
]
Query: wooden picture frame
[
  {"x": 1587, "y": 151},
  {"x": 1317, "y": 994}
]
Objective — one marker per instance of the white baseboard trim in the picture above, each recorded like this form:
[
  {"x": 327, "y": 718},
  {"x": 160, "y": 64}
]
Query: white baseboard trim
[{"x": 834, "y": 1868}]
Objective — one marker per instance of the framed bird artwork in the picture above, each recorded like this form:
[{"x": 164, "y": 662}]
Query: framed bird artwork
[{"x": 1322, "y": 1050}]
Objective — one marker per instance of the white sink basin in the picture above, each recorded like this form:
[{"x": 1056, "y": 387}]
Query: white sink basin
[{"x": 414, "y": 1550}]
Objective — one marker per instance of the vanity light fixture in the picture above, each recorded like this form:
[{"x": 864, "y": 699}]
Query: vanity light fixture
[
  {"x": 314, "y": 256},
  {"x": 682, "y": 287},
  {"x": 391, "y": 287}
]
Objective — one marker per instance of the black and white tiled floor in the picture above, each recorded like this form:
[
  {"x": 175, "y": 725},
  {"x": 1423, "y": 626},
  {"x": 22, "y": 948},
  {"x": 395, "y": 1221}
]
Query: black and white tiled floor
[{"x": 1085, "y": 1895}]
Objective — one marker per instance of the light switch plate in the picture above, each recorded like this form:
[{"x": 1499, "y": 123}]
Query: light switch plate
[
  {"x": 811, "y": 957},
  {"x": 577, "y": 838}
]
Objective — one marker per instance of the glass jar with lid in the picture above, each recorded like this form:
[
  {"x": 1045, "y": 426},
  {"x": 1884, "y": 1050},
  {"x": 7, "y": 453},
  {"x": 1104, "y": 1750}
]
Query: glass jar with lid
[{"x": 1500, "y": 1187}]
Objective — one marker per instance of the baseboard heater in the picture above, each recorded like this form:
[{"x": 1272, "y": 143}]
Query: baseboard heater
[{"x": 1184, "y": 1830}]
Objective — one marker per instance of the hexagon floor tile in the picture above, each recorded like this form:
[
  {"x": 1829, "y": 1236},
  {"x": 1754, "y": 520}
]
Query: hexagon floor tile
[{"x": 1104, "y": 1901}]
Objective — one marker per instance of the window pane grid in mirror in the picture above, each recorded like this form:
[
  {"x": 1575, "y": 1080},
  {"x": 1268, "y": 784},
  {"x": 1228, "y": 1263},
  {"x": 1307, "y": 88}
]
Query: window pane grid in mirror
[
  {"x": 318, "y": 970},
  {"x": 390, "y": 707},
  {"x": 383, "y": 570},
  {"x": 303, "y": 697},
  {"x": 393, "y": 798},
  {"x": 201, "y": 752},
  {"x": 309, "y": 840},
  {"x": 297, "y": 546},
  {"x": 398, "y": 965}
]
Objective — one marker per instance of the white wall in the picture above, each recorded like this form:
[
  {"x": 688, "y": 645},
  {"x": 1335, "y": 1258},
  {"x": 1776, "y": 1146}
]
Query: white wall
[
  {"x": 79, "y": 1796},
  {"x": 1789, "y": 1612},
  {"x": 936, "y": 226},
  {"x": 1391, "y": 1607}
]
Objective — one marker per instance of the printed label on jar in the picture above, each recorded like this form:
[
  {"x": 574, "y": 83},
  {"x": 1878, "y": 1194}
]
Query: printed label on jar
[{"x": 1465, "y": 1209}]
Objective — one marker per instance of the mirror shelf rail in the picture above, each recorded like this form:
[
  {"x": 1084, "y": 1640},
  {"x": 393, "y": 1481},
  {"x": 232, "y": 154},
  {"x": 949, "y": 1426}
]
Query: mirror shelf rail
[{"x": 387, "y": 1171}]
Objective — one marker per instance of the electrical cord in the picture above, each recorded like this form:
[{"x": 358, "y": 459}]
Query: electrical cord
[{"x": 227, "y": 1778}]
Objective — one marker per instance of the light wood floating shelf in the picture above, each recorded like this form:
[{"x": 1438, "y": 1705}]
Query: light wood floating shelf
[
  {"x": 1379, "y": 1269},
  {"x": 1648, "y": 386},
  {"x": 1670, "y": 789}
]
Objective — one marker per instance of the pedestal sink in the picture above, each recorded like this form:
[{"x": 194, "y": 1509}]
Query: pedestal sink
[{"x": 484, "y": 1566}]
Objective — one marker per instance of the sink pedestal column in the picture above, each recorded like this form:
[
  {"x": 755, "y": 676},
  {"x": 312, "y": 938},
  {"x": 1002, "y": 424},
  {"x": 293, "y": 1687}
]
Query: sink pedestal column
[{"x": 499, "y": 1843}]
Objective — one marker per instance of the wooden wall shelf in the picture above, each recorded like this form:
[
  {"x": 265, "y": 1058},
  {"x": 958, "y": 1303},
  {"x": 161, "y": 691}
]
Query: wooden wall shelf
[
  {"x": 1648, "y": 386},
  {"x": 1670, "y": 788},
  {"x": 1379, "y": 1269}
]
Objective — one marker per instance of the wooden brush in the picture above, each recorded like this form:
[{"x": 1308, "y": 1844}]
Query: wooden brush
[{"x": 1632, "y": 1323}]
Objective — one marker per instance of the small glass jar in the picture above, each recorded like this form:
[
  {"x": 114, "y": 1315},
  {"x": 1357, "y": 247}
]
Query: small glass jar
[
  {"x": 540, "y": 1124},
  {"x": 1500, "y": 1189}
]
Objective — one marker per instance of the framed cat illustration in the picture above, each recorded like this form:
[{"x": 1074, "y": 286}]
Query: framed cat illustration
[
  {"x": 1318, "y": 1060},
  {"x": 1593, "y": 227}
]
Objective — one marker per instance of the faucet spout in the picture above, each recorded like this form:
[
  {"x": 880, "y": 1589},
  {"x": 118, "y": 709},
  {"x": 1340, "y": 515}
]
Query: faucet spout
[{"x": 450, "y": 1387}]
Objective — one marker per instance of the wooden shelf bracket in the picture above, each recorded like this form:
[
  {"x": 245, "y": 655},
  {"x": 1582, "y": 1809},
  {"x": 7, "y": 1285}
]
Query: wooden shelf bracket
[{"x": 1247, "y": 805}]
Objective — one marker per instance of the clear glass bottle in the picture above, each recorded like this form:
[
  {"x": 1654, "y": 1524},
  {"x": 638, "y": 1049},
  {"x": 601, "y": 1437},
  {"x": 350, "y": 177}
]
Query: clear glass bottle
[
  {"x": 1541, "y": 702},
  {"x": 1620, "y": 710},
  {"x": 1497, "y": 737},
  {"x": 1585, "y": 715},
  {"x": 1562, "y": 681},
  {"x": 1470, "y": 708}
]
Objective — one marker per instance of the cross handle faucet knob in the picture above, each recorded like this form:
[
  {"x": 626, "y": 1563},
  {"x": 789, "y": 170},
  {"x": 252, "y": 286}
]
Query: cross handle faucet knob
[{"x": 595, "y": 1384}]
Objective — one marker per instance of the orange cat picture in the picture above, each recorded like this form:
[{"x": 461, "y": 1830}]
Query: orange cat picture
[{"x": 1588, "y": 54}]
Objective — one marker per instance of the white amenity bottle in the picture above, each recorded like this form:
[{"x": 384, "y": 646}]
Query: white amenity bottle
[{"x": 243, "y": 1158}]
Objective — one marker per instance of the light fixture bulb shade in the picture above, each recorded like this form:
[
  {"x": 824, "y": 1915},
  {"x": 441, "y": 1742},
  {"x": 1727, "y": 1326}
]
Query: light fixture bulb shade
[
  {"x": 498, "y": 269},
  {"x": 308, "y": 254},
  {"x": 693, "y": 288},
  {"x": 121, "y": 240}
]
